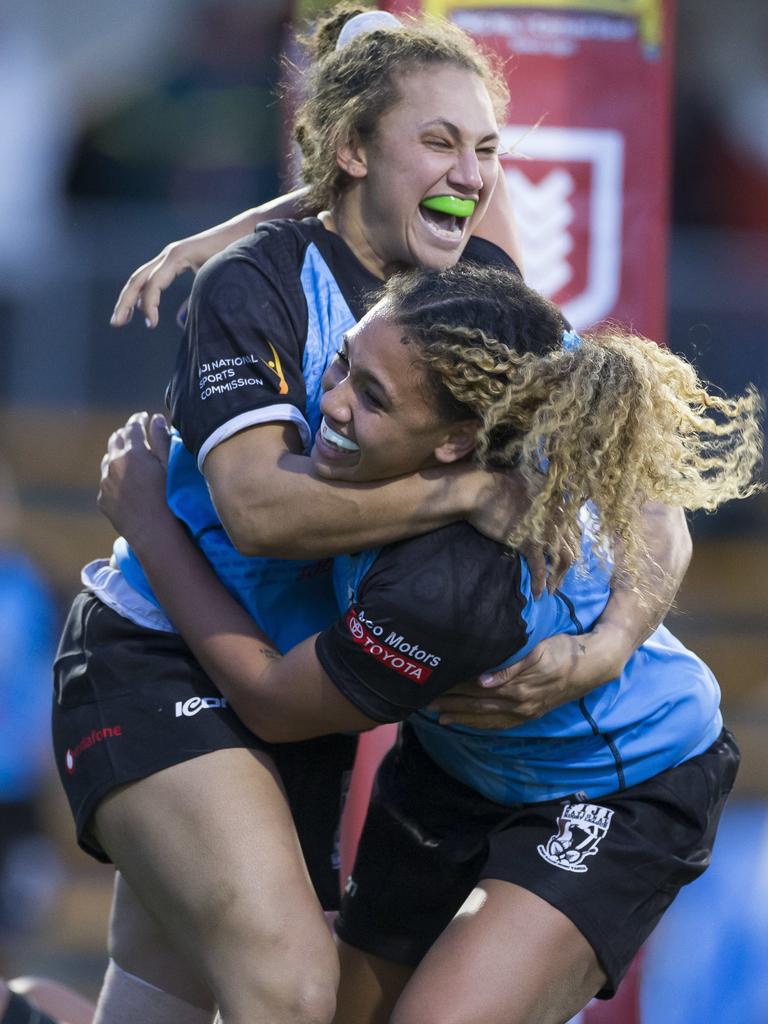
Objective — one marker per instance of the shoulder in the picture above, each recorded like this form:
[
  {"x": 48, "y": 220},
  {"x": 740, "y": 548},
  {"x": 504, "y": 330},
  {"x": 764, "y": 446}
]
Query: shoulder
[
  {"x": 256, "y": 273},
  {"x": 430, "y": 613},
  {"x": 275, "y": 250},
  {"x": 486, "y": 253},
  {"x": 452, "y": 581}
]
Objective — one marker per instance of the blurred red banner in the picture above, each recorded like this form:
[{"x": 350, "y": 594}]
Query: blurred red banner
[{"x": 591, "y": 181}]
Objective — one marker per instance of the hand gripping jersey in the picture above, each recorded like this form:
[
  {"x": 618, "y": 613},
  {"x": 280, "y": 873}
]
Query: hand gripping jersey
[
  {"x": 265, "y": 319},
  {"x": 428, "y": 613}
]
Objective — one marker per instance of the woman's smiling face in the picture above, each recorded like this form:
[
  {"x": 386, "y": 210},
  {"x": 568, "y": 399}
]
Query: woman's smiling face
[
  {"x": 441, "y": 138},
  {"x": 379, "y": 420}
]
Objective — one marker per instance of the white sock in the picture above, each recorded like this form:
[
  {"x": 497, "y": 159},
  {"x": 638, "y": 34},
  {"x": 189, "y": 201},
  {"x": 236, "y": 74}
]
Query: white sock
[{"x": 126, "y": 999}]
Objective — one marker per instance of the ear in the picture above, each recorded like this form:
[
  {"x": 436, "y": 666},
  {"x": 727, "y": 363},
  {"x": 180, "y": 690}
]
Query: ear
[
  {"x": 352, "y": 158},
  {"x": 458, "y": 442}
]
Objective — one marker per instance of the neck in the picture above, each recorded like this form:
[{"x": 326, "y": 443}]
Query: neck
[{"x": 346, "y": 219}]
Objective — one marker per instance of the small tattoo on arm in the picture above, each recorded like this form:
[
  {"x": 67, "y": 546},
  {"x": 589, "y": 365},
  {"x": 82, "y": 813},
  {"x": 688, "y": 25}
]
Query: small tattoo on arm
[
  {"x": 270, "y": 652},
  {"x": 583, "y": 648}
]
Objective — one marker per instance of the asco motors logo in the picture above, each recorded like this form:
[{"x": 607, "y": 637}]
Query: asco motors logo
[
  {"x": 392, "y": 650},
  {"x": 95, "y": 736}
]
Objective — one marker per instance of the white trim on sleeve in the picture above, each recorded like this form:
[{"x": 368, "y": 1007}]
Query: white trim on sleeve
[{"x": 284, "y": 413}]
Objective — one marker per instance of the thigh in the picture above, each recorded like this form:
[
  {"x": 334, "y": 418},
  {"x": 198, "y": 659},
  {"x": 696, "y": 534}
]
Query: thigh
[
  {"x": 369, "y": 986},
  {"x": 209, "y": 847},
  {"x": 129, "y": 702},
  {"x": 508, "y": 957},
  {"x": 140, "y": 945},
  {"x": 424, "y": 842},
  {"x": 614, "y": 864}
]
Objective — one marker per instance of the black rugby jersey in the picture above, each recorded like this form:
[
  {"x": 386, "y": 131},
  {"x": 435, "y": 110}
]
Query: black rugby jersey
[{"x": 430, "y": 612}]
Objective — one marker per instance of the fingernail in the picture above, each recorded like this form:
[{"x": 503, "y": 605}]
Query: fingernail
[
  {"x": 147, "y": 322},
  {"x": 485, "y": 679}
]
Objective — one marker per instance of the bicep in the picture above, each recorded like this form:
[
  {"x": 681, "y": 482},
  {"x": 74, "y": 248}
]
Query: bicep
[
  {"x": 243, "y": 475},
  {"x": 668, "y": 537}
]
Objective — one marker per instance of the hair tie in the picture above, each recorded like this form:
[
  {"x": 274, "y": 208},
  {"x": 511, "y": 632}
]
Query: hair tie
[
  {"x": 368, "y": 21},
  {"x": 571, "y": 340}
]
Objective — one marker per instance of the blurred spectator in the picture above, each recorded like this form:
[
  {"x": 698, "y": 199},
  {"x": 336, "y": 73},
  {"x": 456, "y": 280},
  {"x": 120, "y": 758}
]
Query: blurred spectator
[
  {"x": 209, "y": 128},
  {"x": 28, "y": 867}
]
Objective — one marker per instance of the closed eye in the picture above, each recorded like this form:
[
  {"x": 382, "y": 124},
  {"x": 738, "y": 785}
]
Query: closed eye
[{"x": 372, "y": 400}]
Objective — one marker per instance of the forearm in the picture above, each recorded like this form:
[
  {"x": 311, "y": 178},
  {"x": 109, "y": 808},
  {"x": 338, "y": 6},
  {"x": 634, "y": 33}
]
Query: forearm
[
  {"x": 279, "y": 697},
  {"x": 225, "y": 640},
  {"x": 282, "y": 510}
]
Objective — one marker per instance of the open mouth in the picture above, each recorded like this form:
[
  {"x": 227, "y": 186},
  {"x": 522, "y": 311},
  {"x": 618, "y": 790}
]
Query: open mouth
[
  {"x": 446, "y": 216},
  {"x": 336, "y": 441}
]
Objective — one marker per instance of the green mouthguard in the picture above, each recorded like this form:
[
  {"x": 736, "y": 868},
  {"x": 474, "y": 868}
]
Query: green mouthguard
[{"x": 451, "y": 205}]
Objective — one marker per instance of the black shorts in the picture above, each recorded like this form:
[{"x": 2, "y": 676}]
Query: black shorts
[
  {"x": 131, "y": 701},
  {"x": 612, "y": 865}
]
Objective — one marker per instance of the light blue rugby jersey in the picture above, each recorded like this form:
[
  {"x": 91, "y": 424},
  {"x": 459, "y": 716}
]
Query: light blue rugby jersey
[
  {"x": 265, "y": 319},
  {"x": 663, "y": 709},
  {"x": 289, "y": 273}
]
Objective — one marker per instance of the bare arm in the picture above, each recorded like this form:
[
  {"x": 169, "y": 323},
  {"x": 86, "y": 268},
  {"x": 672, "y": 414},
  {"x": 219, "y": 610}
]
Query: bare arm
[
  {"x": 145, "y": 285},
  {"x": 564, "y": 668},
  {"x": 629, "y": 619},
  {"x": 271, "y": 503},
  {"x": 278, "y": 697}
]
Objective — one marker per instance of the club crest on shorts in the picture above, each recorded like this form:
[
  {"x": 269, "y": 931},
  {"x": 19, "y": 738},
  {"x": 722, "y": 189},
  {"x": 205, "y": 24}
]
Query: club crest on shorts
[{"x": 580, "y": 827}]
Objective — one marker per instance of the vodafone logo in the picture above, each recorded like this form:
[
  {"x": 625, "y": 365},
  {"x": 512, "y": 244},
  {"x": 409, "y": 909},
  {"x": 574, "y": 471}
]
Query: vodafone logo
[
  {"x": 395, "y": 652},
  {"x": 95, "y": 736}
]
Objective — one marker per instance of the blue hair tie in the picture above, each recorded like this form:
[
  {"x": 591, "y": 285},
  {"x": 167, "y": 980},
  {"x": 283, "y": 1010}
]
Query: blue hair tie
[{"x": 571, "y": 340}]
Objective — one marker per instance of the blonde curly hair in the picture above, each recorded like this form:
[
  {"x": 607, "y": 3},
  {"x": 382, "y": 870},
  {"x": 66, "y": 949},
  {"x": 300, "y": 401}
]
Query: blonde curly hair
[
  {"x": 616, "y": 420},
  {"x": 349, "y": 90}
]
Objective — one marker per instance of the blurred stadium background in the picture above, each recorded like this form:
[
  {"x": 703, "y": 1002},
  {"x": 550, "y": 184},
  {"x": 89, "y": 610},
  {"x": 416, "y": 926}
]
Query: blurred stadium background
[{"x": 127, "y": 126}]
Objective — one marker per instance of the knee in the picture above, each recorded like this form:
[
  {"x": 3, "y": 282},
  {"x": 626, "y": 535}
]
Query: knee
[
  {"x": 306, "y": 1000},
  {"x": 286, "y": 979},
  {"x": 301, "y": 999}
]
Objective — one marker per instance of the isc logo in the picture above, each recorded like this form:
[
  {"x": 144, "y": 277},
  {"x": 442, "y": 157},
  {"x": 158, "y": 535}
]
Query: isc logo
[{"x": 190, "y": 707}]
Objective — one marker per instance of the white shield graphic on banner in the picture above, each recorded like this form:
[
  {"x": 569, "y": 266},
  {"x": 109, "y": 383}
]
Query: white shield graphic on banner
[{"x": 566, "y": 188}]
